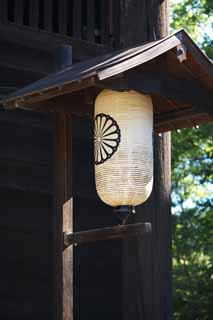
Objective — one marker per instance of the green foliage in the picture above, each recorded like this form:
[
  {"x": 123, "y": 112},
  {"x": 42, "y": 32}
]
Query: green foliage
[
  {"x": 192, "y": 187},
  {"x": 196, "y": 17},
  {"x": 192, "y": 181}
]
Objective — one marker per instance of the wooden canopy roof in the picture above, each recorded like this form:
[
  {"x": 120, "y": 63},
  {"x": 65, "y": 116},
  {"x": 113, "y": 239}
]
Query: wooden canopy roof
[{"x": 173, "y": 70}]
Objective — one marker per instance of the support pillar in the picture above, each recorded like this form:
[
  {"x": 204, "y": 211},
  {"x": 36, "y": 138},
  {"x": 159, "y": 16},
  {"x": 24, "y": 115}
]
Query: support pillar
[{"x": 63, "y": 206}]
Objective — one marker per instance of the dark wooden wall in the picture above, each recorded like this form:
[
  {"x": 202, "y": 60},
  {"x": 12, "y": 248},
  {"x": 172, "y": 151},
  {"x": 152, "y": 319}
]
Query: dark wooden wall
[
  {"x": 26, "y": 206},
  {"x": 26, "y": 265},
  {"x": 97, "y": 267},
  {"x": 112, "y": 280},
  {"x": 90, "y": 20},
  {"x": 25, "y": 216},
  {"x": 147, "y": 263}
]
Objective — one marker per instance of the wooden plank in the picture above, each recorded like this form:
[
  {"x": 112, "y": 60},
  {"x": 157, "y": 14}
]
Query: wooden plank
[
  {"x": 63, "y": 263},
  {"x": 62, "y": 17},
  {"x": 111, "y": 17},
  {"x": 63, "y": 218},
  {"x": 48, "y": 15},
  {"x": 3, "y": 11},
  {"x": 173, "y": 116},
  {"x": 34, "y": 13},
  {"x": 129, "y": 23},
  {"x": 41, "y": 96},
  {"x": 146, "y": 290},
  {"x": 77, "y": 17},
  {"x": 207, "y": 82},
  {"x": 180, "y": 90},
  {"x": 117, "y": 232},
  {"x": 105, "y": 22},
  {"x": 69, "y": 104},
  {"x": 198, "y": 55},
  {"x": 139, "y": 59},
  {"x": 162, "y": 84},
  {"x": 25, "y": 292},
  {"x": 18, "y": 12},
  {"x": 32, "y": 120},
  {"x": 116, "y": 24},
  {"x": 181, "y": 122},
  {"x": 30, "y": 38},
  {"x": 91, "y": 20},
  {"x": 17, "y": 58}
]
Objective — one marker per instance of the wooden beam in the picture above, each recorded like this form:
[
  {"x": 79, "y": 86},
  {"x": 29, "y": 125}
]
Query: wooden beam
[
  {"x": 198, "y": 55},
  {"x": 177, "y": 115},
  {"x": 63, "y": 222},
  {"x": 30, "y": 102},
  {"x": 49, "y": 42},
  {"x": 117, "y": 232},
  {"x": 23, "y": 59},
  {"x": 69, "y": 105},
  {"x": 181, "y": 90}
]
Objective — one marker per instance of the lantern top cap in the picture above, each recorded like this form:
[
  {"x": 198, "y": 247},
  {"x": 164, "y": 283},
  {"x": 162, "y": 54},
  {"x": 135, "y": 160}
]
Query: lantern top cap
[{"x": 173, "y": 70}]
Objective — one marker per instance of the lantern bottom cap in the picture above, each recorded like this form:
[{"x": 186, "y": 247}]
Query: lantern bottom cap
[{"x": 123, "y": 212}]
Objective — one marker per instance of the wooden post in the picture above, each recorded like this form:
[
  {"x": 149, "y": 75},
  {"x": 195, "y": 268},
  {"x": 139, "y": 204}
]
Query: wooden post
[
  {"x": 147, "y": 262},
  {"x": 63, "y": 217}
]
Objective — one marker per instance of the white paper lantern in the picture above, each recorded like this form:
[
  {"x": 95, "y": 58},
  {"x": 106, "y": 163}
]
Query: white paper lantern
[{"x": 123, "y": 147}]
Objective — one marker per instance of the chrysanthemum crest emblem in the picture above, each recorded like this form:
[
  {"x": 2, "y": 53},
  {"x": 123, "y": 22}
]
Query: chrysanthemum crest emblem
[{"x": 107, "y": 137}]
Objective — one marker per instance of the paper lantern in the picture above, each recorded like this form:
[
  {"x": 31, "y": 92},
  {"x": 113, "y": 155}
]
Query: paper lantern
[{"x": 123, "y": 148}]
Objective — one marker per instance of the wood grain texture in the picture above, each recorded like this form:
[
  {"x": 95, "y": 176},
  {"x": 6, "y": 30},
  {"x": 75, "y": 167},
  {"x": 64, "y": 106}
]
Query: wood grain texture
[
  {"x": 3, "y": 11},
  {"x": 26, "y": 216},
  {"x": 30, "y": 38},
  {"x": 63, "y": 217},
  {"x": 33, "y": 13},
  {"x": 136, "y": 230},
  {"x": 97, "y": 266},
  {"x": 141, "y": 278},
  {"x": 63, "y": 262},
  {"x": 157, "y": 71},
  {"x": 62, "y": 17},
  {"x": 77, "y": 19},
  {"x": 26, "y": 272},
  {"x": 116, "y": 9},
  {"x": 18, "y": 11},
  {"x": 105, "y": 18},
  {"x": 147, "y": 263},
  {"x": 91, "y": 20},
  {"x": 48, "y": 12}
]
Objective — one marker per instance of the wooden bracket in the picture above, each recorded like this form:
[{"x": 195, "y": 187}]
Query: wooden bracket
[
  {"x": 109, "y": 233},
  {"x": 181, "y": 52}
]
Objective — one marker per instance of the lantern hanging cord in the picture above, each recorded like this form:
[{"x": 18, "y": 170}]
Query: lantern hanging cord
[{"x": 124, "y": 212}]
